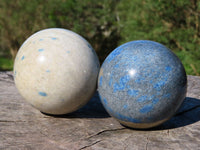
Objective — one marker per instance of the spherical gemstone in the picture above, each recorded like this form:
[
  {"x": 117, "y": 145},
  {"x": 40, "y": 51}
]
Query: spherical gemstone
[
  {"x": 56, "y": 70},
  {"x": 142, "y": 84}
]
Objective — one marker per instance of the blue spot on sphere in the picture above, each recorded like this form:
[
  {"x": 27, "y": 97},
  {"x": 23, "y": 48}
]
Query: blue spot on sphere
[
  {"x": 42, "y": 94},
  {"x": 54, "y": 38},
  {"x": 90, "y": 46},
  {"x": 142, "y": 99},
  {"x": 146, "y": 108},
  {"x": 121, "y": 85},
  {"x": 110, "y": 82},
  {"x": 100, "y": 81},
  {"x": 125, "y": 106},
  {"x": 105, "y": 101},
  {"x": 133, "y": 92},
  {"x": 156, "y": 100},
  {"x": 116, "y": 66},
  {"x": 168, "y": 68},
  {"x": 22, "y": 57},
  {"x": 40, "y": 50},
  {"x": 141, "y": 80},
  {"x": 15, "y": 73}
]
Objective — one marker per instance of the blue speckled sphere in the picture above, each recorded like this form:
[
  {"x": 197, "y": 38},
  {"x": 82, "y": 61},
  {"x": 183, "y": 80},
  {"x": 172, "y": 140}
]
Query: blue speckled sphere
[{"x": 142, "y": 84}]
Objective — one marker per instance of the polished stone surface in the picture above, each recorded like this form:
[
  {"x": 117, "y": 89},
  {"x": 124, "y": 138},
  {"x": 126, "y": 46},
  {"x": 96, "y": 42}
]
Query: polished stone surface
[
  {"x": 142, "y": 84},
  {"x": 56, "y": 70}
]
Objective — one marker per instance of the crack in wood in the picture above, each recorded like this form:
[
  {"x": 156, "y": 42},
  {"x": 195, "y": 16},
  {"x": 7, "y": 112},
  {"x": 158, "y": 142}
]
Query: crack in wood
[
  {"x": 103, "y": 131},
  {"x": 126, "y": 145},
  {"x": 8, "y": 77},
  {"x": 90, "y": 145},
  {"x": 12, "y": 121},
  {"x": 168, "y": 132},
  {"x": 146, "y": 146}
]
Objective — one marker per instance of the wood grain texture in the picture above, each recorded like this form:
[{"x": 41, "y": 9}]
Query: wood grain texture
[{"x": 23, "y": 127}]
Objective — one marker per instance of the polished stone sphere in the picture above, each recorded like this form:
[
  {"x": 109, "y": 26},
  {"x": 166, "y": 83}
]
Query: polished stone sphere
[
  {"x": 142, "y": 84},
  {"x": 56, "y": 71}
]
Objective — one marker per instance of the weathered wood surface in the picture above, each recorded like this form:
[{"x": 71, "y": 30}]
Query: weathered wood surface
[{"x": 23, "y": 127}]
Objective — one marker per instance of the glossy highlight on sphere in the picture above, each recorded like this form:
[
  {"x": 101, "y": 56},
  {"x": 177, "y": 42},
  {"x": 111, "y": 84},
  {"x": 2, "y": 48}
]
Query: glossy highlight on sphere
[
  {"x": 142, "y": 84},
  {"x": 56, "y": 70}
]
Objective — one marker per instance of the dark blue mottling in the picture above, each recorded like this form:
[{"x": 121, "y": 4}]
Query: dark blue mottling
[
  {"x": 132, "y": 92},
  {"x": 110, "y": 81},
  {"x": 90, "y": 46},
  {"x": 158, "y": 85},
  {"x": 119, "y": 115},
  {"x": 139, "y": 80},
  {"x": 146, "y": 108},
  {"x": 142, "y": 98},
  {"x": 167, "y": 95},
  {"x": 113, "y": 55},
  {"x": 126, "y": 118},
  {"x": 142, "y": 80},
  {"x": 122, "y": 83},
  {"x": 168, "y": 68},
  {"x": 105, "y": 101},
  {"x": 100, "y": 81},
  {"x": 116, "y": 66},
  {"x": 155, "y": 101}
]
